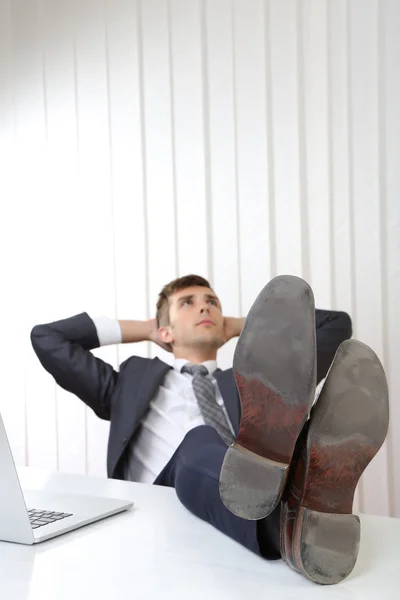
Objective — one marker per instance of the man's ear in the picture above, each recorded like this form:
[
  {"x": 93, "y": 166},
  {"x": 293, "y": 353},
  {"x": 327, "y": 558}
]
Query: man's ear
[{"x": 165, "y": 335}]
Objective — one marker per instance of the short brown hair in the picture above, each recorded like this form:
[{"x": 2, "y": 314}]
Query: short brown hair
[{"x": 162, "y": 315}]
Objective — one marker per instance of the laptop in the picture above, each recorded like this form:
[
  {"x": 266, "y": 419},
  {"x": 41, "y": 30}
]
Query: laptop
[{"x": 32, "y": 517}]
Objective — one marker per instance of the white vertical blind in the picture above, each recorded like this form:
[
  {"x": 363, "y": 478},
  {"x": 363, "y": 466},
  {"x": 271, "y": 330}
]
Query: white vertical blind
[
  {"x": 389, "y": 129},
  {"x": 238, "y": 139},
  {"x": 366, "y": 202},
  {"x": 316, "y": 92},
  {"x": 282, "y": 37},
  {"x": 255, "y": 213}
]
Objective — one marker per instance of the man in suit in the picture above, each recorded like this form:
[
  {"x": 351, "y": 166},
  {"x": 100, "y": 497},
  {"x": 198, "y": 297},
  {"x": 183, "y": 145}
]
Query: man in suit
[{"x": 173, "y": 425}]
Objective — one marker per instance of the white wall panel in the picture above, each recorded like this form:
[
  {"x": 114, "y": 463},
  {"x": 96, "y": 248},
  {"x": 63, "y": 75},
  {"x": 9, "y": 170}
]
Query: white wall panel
[
  {"x": 342, "y": 256},
  {"x": 314, "y": 24},
  {"x": 189, "y": 135},
  {"x": 12, "y": 398},
  {"x": 284, "y": 67},
  {"x": 340, "y": 158},
  {"x": 159, "y": 151},
  {"x": 144, "y": 140},
  {"x": 223, "y": 158},
  {"x": 57, "y": 29},
  {"x": 390, "y": 174},
  {"x": 256, "y": 248},
  {"x": 96, "y": 265},
  {"x": 35, "y": 206},
  {"x": 366, "y": 206},
  {"x": 127, "y": 166}
]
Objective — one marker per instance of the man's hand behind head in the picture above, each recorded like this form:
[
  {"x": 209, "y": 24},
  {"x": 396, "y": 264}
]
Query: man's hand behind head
[
  {"x": 154, "y": 337},
  {"x": 232, "y": 327}
]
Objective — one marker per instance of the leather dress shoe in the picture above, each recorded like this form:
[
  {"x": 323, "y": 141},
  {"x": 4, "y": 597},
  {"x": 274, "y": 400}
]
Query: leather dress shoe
[
  {"x": 348, "y": 424},
  {"x": 275, "y": 372}
]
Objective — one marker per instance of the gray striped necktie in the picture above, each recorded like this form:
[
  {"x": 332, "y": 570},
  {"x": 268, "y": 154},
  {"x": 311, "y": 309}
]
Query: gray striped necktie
[{"x": 204, "y": 391}]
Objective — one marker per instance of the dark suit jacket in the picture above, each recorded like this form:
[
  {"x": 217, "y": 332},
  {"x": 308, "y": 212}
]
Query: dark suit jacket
[{"x": 63, "y": 348}]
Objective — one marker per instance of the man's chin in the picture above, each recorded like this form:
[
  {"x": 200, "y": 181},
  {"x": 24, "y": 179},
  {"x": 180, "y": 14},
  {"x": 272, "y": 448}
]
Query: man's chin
[{"x": 211, "y": 343}]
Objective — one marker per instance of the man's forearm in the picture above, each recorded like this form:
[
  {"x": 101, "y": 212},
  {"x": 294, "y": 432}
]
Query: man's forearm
[
  {"x": 135, "y": 331},
  {"x": 240, "y": 324}
]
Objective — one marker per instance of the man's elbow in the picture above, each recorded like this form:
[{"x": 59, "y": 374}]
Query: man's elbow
[
  {"x": 345, "y": 324},
  {"x": 40, "y": 339},
  {"x": 36, "y": 334}
]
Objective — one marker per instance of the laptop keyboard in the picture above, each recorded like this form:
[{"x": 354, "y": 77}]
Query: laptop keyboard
[{"x": 39, "y": 518}]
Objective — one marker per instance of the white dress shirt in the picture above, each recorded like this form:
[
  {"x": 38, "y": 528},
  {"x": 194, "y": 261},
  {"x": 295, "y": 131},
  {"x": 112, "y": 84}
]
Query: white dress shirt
[{"x": 172, "y": 413}]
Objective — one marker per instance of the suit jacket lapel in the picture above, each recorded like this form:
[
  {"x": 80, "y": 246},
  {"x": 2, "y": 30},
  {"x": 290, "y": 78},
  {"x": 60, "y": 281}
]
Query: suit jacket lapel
[
  {"x": 136, "y": 407},
  {"x": 152, "y": 378},
  {"x": 229, "y": 393}
]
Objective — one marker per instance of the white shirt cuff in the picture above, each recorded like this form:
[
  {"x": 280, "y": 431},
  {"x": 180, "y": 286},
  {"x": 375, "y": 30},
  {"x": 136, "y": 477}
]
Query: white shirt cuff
[{"x": 108, "y": 331}]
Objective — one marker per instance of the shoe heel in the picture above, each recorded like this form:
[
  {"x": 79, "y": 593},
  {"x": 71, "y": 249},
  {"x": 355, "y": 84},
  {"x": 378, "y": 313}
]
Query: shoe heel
[
  {"x": 251, "y": 486},
  {"x": 325, "y": 545}
]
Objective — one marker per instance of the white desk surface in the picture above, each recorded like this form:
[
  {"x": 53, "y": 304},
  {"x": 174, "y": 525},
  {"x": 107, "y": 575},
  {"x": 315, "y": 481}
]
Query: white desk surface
[{"x": 158, "y": 550}]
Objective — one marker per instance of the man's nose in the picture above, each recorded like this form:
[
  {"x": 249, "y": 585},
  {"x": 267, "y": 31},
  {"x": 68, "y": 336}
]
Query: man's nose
[{"x": 205, "y": 308}]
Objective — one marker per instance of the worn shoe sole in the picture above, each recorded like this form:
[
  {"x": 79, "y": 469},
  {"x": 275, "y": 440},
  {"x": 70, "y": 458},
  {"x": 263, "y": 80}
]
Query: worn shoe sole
[
  {"x": 275, "y": 371},
  {"x": 348, "y": 425}
]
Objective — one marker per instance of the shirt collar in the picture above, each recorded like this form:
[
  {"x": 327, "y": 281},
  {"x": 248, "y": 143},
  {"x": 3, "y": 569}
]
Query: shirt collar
[{"x": 211, "y": 365}]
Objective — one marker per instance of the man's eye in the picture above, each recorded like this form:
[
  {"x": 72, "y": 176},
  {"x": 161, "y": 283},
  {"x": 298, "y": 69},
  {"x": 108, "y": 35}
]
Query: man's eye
[
  {"x": 186, "y": 302},
  {"x": 213, "y": 302}
]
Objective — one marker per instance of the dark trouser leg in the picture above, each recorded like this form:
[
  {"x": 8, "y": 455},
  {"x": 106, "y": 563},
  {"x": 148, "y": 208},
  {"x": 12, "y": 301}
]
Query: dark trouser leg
[{"x": 194, "y": 472}]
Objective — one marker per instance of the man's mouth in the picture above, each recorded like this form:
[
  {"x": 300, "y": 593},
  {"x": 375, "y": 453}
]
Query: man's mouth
[{"x": 206, "y": 322}]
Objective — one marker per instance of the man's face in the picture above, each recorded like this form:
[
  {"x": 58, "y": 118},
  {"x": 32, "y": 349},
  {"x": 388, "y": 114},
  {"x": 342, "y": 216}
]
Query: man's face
[{"x": 195, "y": 319}]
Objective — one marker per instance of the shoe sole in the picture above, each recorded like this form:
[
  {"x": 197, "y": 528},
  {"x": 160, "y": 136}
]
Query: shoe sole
[
  {"x": 348, "y": 426},
  {"x": 275, "y": 373}
]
